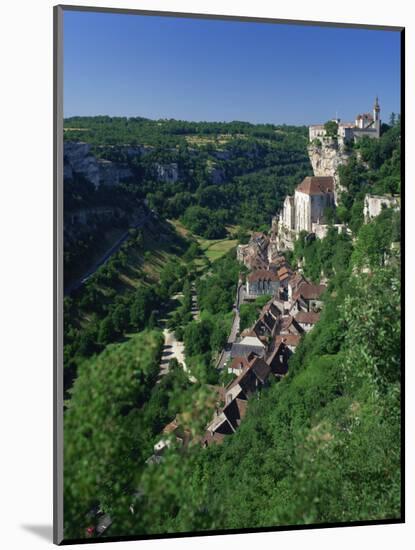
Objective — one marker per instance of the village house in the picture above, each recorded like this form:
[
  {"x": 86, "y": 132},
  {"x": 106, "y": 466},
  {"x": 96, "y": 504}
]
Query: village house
[
  {"x": 248, "y": 382},
  {"x": 226, "y": 421},
  {"x": 172, "y": 432},
  {"x": 307, "y": 319},
  {"x": 235, "y": 411},
  {"x": 254, "y": 255},
  {"x": 291, "y": 341},
  {"x": 293, "y": 284},
  {"x": 248, "y": 345},
  {"x": 237, "y": 365},
  {"x": 284, "y": 276},
  {"x": 278, "y": 359},
  {"x": 289, "y": 325},
  {"x": 261, "y": 282},
  {"x": 264, "y": 327},
  {"x": 307, "y": 298}
]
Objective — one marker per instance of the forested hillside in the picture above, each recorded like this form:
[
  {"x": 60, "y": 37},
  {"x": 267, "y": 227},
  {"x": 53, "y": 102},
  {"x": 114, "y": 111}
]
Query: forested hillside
[
  {"x": 322, "y": 444},
  {"x": 236, "y": 172}
]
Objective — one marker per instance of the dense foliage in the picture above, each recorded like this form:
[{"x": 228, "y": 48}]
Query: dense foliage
[
  {"x": 105, "y": 309},
  {"x": 375, "y": 167},
  {"x": 321, "y": 445},
  {"x": 249, "y": 313},
  {"x": 228, "y": 173},
  {"x": 101, "y": 429}
]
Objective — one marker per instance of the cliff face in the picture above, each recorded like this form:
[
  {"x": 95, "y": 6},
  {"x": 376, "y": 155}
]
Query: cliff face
[
  {"x": 326, "y": 159},
  {"x": 78, "y": 158}
]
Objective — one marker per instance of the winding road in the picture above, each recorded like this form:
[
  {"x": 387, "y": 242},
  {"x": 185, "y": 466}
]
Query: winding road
[{"x": 114, "y": 248}]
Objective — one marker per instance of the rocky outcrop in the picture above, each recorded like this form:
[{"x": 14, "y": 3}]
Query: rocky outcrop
[
  {"x": 168, "y": 173},
  {"x": 78, "y": 159},
  {"x": 326, "y": 156}
]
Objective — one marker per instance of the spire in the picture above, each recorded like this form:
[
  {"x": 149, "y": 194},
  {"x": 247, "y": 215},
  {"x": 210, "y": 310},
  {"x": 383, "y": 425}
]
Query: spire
[{"x": 376, "y": 106}]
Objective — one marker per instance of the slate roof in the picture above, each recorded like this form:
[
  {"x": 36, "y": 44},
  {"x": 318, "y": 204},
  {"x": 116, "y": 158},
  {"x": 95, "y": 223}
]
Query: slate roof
[{"x": 261, "y": 369}]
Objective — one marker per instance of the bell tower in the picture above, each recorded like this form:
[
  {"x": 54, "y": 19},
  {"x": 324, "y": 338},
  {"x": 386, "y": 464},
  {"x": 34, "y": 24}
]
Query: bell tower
[{"x": 376, "y": 117}]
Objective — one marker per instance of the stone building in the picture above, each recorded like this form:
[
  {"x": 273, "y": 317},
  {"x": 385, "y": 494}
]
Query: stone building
[
  {"x": 254, "y": 254},
  {"x": 311, "y": 198},
  {"x": 365, "y": 124},
  {"x": 307, "y": 319},
  {"x": 305, "y": 211},
  {"x": 261, "y": 282},
  {"x": 374, "y": 204}
]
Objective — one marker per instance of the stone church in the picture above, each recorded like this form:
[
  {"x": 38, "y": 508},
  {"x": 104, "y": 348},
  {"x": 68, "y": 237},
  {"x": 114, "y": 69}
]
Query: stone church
[{"x": 304, "y": 211}]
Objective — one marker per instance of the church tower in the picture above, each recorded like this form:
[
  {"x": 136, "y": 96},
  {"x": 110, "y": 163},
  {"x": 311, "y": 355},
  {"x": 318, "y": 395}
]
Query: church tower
[{"x": 376, "y": 117}]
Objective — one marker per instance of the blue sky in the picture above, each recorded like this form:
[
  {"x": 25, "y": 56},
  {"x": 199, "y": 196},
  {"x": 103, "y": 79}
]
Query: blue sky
[{"x": 193, "y": 69}]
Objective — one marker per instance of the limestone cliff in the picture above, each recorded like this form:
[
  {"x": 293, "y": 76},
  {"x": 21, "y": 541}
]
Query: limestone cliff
[
  {"x": 79, "y": 159},
  {"x": 326, "y": 156}
]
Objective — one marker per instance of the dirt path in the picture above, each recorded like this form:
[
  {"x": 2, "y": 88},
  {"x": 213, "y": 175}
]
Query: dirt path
[{"x": 172, "y": 349}]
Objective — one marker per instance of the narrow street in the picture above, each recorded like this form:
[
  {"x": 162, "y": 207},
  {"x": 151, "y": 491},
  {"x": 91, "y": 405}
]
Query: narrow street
[{"x": 226, "y": 352}]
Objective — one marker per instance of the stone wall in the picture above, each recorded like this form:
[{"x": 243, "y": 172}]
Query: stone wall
[
  {"x": 374, "y": 204},
  {"x": 302, "y": 212}
]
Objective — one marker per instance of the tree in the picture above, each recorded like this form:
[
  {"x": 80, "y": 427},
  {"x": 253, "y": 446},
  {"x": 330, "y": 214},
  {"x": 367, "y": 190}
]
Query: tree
[
  {"x": 197, "y": 337},
  {"x": 107, "y": 332},
  {"x": 331, "y": 128},
  {"x": 101, "y": 446}
]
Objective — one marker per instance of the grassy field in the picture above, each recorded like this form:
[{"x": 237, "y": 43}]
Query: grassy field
[
  {"x": 219, "y": 139},
  {"x": 216, "y": 249},
  {"x": 212, "y": 249},
  {"x": 160, "y": 244}
]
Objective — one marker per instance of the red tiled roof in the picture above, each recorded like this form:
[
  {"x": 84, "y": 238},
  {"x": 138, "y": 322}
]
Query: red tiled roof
[
  {"x": 316, "y": 185},
  {"x": 239, "y": 363},
  {"x": 309, "y": 291},
  {"x": 308, "y": 317},
  {"x": 297, "y": 279},
  {"x": 283, "y": 271},
  {"x": 287, "y": 339}
]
